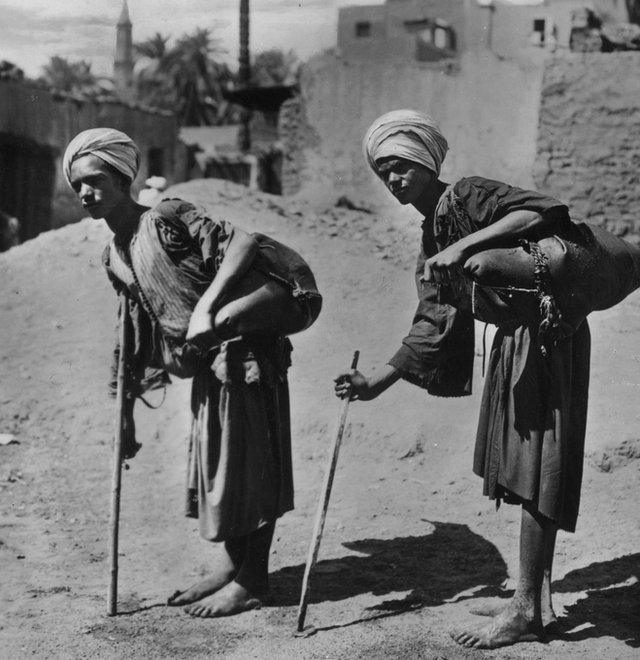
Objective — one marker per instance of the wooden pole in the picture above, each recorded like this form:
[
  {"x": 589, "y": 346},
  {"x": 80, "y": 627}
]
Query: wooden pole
[
  {"x": 244, "y": 77},
  {"x": 323, "y": 505},
  {"x": 112, "y": 599}
]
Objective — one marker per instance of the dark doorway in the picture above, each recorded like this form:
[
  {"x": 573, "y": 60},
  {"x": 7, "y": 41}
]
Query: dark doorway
[
  {"x": 27, "y": 175},
  {"x": 270, "y": 172},
  {"x": 156, "y": 161}
]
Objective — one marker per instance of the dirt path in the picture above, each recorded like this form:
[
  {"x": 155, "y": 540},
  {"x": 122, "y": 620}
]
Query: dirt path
[{"x": 410, "y": 543}]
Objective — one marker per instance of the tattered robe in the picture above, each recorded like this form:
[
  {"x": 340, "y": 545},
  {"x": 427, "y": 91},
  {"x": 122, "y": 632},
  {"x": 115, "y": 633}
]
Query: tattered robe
[{"x": 240, "y": 473}]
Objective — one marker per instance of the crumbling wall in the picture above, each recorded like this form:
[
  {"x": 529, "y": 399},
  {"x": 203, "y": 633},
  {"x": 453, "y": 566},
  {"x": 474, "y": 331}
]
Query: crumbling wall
[
  {"x": 589, "y": 138},
  {"x": 295, "y": 137},
  {"x": 487, "y": 108}
]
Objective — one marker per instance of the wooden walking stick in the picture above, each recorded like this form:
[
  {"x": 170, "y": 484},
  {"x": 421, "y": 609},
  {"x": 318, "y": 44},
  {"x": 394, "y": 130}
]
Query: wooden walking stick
[
  {"x": 321, "y": 513},
  {"x": 112, "y": 600}
]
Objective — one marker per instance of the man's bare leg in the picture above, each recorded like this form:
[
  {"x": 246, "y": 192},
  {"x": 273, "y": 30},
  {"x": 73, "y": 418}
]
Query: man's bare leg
[
  {"x": 250, "y": 584},
  {"x": 225, "y": 571},
  {"x": 521, "y": 620},
  {"x": 546, "y": 606}
]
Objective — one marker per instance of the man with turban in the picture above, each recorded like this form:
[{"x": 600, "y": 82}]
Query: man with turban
[
  {"x": 206, "y": 301},
  {"x": 113, "y": 147},
  {"x": 530, "y": 438}
]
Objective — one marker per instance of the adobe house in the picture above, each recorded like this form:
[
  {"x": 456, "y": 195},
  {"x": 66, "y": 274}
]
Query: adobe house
[
  {"x": 431, "y": 30},
  {"x": 478, "y": 66},
  {"x": 402, "y": 30},
  {"x": 37, "y": 123}
]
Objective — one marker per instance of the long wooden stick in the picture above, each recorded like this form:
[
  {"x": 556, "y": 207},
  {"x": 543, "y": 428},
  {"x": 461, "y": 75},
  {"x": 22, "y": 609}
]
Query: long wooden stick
[
  {"x": 112, "y": 600},
  {"x": 323, "y": 505}
]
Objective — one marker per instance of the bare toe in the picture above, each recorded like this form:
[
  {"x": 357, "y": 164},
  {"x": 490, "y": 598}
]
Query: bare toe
[
  {"x": 231, "y": 599},
  {"x": 193, "y": 610},
  {"x": 508, "y": 628},
  {"x": 209, "y": 585}
]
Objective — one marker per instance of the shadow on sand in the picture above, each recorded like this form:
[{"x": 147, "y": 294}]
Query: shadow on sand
[
  {"x": 434, "y": 568},
  {"x": 611, "y": 607}
]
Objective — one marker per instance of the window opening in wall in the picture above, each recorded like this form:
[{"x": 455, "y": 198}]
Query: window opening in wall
[
  {"x": 436, "y": 33},
  {"x": 440, "y": 38},
  {"x": 363, "y": 29},
  {"x": 537, "y": 36}
]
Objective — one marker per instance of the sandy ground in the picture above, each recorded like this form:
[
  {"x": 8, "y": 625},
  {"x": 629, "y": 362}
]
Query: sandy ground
[{"x": 409, "y": 545}]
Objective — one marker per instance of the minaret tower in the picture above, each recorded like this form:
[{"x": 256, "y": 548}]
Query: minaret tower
[{"x": 123, "y": 63}]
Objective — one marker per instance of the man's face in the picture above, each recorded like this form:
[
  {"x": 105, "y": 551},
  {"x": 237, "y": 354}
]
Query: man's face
[
  {"x": 405, "y": 179},
  {"x": 99, "y": 190}
]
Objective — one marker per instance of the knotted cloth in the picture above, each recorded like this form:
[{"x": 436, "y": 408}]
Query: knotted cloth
[
  {"x": 114, "y": 147},
  {"x": 406, "y": 134}
]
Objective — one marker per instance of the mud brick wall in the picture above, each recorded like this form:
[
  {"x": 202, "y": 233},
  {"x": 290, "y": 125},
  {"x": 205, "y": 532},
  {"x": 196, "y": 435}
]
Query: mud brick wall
[
  {"x": 295, "y": 136},
  {"x": 589, "y": 138},
  {"x": 486, "y": 106}
]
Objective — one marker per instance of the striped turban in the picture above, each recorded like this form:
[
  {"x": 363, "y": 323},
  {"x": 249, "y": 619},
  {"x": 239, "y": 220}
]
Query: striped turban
[
  {"x": 406, "y": 134},
  {"x": 113, "y": 147}
]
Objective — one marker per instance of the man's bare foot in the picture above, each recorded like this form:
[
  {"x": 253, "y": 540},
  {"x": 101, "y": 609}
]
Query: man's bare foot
[
  {"x": 509, "y": 627},
  {"x": 490, "y": 608},
  {"x": 549, "y": 617},
  {"x": 202, "y": 589},
  {"x": 231, "y": 599}
]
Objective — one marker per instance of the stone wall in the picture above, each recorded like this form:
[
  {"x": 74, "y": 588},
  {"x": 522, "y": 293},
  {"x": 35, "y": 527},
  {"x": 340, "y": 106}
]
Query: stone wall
[
  {"x": 589, "y": 138},
  {"x": 295, "y": 137}
]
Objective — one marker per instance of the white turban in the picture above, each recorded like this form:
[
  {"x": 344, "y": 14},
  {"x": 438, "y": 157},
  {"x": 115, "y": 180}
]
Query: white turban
[
  {"x": 113, "y": 147},
  {"x": 406, "y": 134}
]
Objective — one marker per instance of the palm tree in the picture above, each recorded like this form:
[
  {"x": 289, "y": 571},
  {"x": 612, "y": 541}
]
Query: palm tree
[
  {"x": 185, "y": 78},
  {"x": 74, "y": 77},
  {"x": 633, "y": 7},
  {"x": 151, "y": 78},
  {"x": 154, "y": 48},
  {"x": 274, "y": 67},
  {"x": 198, "y": 79}
]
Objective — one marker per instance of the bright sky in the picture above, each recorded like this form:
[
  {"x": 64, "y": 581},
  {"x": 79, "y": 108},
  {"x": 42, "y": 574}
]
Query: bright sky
[{"x": 31, "y": 31}]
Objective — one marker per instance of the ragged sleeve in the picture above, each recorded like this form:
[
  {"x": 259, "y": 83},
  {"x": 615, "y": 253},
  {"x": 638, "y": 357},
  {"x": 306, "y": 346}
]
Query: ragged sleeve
[
  {"x": 141, "y": 375},
  {"x": 487, "y": 201},
  {"x": 437, "y": 354}
]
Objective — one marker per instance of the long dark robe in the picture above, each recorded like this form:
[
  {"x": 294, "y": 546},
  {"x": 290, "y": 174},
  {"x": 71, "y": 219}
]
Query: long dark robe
[{"x": 530, "y": 439}]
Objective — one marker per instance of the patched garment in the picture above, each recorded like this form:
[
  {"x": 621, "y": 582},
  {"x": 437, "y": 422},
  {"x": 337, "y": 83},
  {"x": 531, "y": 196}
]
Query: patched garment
[
  {"x": 240, "y": 473},
  {"x": 531, "y": 431}
]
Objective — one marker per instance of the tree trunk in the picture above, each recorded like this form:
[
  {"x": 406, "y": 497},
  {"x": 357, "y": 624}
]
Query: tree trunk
[
  {"x": 633, "y": 7},
  {"x": 244, "y": 75}
]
